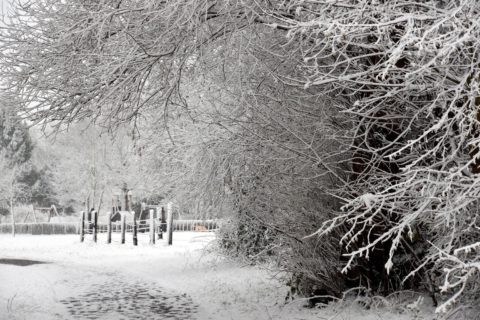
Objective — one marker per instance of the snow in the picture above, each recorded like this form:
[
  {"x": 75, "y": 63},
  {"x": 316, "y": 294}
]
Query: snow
[{"x": 191, "y": 271}]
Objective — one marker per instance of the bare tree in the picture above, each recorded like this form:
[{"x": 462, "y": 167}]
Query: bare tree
[{"x": 87, "y": 163}]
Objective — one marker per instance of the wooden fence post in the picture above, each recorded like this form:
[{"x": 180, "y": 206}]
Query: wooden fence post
[
  {"x": 169, "y": 223},
  {"x": 135, "y": 239},
  {"x": 164, "y": 219},
  {"x": 160, "y": 216},
  {"x": 152, "y": 227},
  {"x": 122, "y": 229},
  {"x": 109, "y": 228},
  {"x": 95, "y": 225},
  {"x": 82, "y": 226}
]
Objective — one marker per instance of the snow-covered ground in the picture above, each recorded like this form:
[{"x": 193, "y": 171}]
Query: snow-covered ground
[{"x": 185, "y": 281}]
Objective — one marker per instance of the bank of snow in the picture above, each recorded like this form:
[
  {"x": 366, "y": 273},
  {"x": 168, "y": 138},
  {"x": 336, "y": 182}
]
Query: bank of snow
[{"x": 222, "y": 288}]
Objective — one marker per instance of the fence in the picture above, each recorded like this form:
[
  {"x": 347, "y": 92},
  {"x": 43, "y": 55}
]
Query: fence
[
  {"x": 74, "y": 228},
  {"x": 41, "y": 228},
  {"x": 195, "y": 225},
  {"x": 178, "y": 225}
]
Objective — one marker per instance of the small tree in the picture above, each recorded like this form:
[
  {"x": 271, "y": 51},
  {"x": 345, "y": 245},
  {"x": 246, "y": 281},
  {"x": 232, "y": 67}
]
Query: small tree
[
  {"x": 15, "y": 152},
  {"x": 12, "y": 190}
]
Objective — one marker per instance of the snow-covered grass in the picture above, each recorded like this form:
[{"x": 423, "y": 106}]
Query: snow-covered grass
[{"x": 223, "y": 289}]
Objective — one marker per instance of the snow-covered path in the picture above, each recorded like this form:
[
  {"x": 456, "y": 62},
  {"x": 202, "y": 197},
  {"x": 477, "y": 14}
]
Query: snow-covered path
[
  {"x": 58, "y": 291},
  {"x": 183, "y": 281},
  {"x": 100, "y": 281},
  {"x": 86, "y": 281}
]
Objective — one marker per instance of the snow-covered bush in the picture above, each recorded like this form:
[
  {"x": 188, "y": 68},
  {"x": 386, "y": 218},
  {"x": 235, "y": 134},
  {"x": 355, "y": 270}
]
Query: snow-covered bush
[
  {"x": 409, "y": 73},
  {"x": 242, "y": 237}
]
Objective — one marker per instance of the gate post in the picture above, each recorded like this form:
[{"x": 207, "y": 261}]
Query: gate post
[
  {"x": 152, "y": 227},
  {"x": 169, "y": 223},
  {"x": 122, "y": 229},
  {"x": 82, "y": 226},
  {"x": 135, "y": 239}
]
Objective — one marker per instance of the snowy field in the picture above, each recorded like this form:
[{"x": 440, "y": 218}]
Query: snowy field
[{"x": 185, "y": 281}]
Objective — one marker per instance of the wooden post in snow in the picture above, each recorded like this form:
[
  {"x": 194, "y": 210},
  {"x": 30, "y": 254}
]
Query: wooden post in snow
[
  {"x": 95, "y": 225},
  {"x": 109, "y": 228},
  {"x": 82, "y": 226},
  {"x": 164, "y": 219},
  {"x": 161, "y": 218},
  {"x": 169, "y": 223},
  {"x": 152, "y": 227},
  {"x": 122, "y": 228},
  {"x": 135, "y": 239}
]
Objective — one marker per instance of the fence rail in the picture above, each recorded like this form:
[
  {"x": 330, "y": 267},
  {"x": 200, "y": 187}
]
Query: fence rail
[
  {"x": 41, "y": 228},
  {"x": 195, "y": 225},
  {"x": 74, "y": 228},
  {"x": 178, "y": 225}
]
